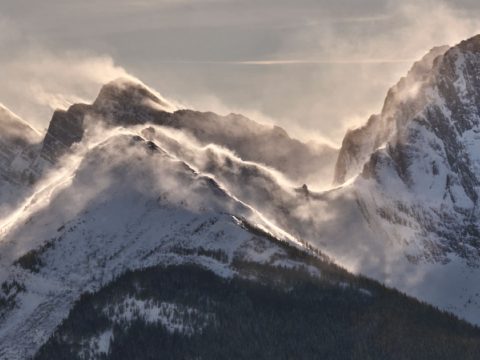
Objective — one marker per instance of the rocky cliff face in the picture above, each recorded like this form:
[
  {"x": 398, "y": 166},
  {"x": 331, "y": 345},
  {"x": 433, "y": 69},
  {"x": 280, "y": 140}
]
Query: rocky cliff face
[
  {"x": 420, "y": 157},
  {"x": 426, "y": 177},
  {"x": 66, "y": 128},
  {"x": 403, "y": 101}
]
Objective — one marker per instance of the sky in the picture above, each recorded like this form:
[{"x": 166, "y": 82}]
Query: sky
[{"x": 315, "y": 68}]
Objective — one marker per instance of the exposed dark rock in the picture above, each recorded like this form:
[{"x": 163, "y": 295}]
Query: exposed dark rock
[{"x": 65, "y": 129}]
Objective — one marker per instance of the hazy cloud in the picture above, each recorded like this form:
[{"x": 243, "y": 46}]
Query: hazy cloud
[
  {"x": 39, "y": 82},
  {"x": 314, "y": 67}
]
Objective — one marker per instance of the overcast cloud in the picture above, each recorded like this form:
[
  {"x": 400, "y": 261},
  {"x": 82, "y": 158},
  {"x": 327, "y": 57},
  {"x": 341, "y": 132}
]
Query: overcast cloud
[{"x": 314, "y": 67}]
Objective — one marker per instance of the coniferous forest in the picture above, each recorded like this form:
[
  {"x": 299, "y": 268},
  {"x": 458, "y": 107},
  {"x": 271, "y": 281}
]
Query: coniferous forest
[{"x": 285, "y": 314}]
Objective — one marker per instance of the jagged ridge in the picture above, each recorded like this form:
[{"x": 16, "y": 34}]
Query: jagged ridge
[{"x": 125, "y": 103}]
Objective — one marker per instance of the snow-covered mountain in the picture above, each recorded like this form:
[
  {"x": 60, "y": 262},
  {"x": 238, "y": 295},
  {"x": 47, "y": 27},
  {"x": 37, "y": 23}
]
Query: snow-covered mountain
[
  {"x": 418, "y": 180},
  {"x": 111, "y": 194},
  {"x": 146, "y": 199},
  {"x": 127, "y": 205},
  {"x": 131, "y": 182},
  {"x": 405, "y": 210}
]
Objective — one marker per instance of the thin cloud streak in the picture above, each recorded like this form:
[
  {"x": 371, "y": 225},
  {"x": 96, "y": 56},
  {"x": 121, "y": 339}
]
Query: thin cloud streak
[{"x": 291, "y": 62}]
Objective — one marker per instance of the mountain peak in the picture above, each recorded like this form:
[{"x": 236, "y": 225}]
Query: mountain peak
[
  {"x": 443, "y": 73},
  {"x": 471, "y": 45},
  {"x": 123, "y": 93},
  {"x": 421, "y": 152},
  {"x": 123, "y": 101}
]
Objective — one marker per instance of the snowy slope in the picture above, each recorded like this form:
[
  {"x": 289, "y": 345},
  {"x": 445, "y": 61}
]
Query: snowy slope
[
  {"x": 107, "y": 196},
  {"x": 127, "y": 205}
]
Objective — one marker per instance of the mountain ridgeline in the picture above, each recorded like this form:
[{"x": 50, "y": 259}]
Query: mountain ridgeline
[
  {"x": 137, "y": 230},
  {"x": 126, "y": 103}
]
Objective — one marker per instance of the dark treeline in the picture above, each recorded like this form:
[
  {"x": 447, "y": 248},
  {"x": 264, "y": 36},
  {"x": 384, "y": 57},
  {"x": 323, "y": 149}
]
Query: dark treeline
[{"x": 288, "y": 314}]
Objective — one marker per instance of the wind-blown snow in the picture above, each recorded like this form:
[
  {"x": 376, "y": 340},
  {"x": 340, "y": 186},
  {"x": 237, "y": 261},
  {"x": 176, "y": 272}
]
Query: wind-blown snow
[{"x": 127, "y": 205}]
